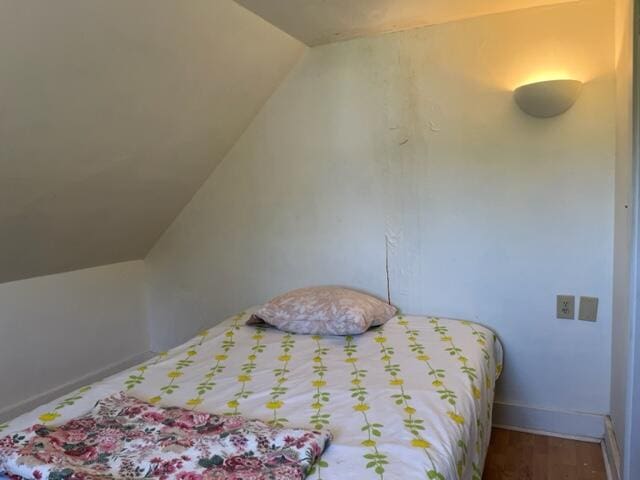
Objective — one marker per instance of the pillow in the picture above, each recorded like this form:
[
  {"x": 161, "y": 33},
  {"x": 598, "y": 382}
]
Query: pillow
[{"x": 324, "y": 311}]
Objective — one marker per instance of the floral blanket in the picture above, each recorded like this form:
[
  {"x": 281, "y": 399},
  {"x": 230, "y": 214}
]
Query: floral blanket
[{"x": 123, "y": 437}]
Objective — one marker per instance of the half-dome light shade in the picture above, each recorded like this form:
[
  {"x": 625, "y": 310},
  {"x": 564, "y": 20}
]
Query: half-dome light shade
[{"x": 549, "y": 98}]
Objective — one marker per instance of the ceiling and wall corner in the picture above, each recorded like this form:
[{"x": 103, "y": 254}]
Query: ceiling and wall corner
[
  {"x": 113, "y": 113},
  {"x": 317, "y": 22}
]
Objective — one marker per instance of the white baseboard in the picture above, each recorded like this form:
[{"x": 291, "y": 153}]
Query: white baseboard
[
  {"x": 576, "y": 425},
  {"x": 607, "y": 464},
  {"x": 536, "y": 431},
  {"x": 29, "y": 404},
  {"x": 611, "y": 450}
]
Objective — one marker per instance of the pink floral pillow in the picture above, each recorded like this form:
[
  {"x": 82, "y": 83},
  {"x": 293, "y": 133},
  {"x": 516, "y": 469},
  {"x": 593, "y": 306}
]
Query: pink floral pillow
[{"x": 324, "y": 311}]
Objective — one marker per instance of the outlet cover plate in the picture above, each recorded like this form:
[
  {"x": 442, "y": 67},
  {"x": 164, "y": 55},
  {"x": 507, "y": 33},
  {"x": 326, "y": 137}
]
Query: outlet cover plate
[
  {"x": 588, "y": 309},
  {"x": 565, "y": 307}
]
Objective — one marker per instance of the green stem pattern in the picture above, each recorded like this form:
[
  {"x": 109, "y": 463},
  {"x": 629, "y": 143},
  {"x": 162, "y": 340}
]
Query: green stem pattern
[
  {"x": 207, "y": 384},
  {"x": 247, "y": 369},
  {"x": 376, "y": 460}
]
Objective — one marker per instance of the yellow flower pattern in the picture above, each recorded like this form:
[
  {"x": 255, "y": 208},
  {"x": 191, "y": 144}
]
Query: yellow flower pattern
[
  {"x": 470, "y": 372},
  {"x": 137, "y": 378},
  {"x": 279, "y": 390},
  {"x": 319, "y": 419},
  {"x": 413, "y": 424},
  {"x": 180, "y": 365},
  {"x": 375, "y": 459},
  {"x": 481, "y": 340},
  {"x": 274, "y": 405},
  {"x": 386, "y": 371},
  {"x": 361, "y": 407},
  {"x": 48, "y": 417},
  {"x": 420, "y": 443},
  {"x": 247, "y": 369},
  {"x": 208, "y": 382},
  {"x": 439, "y": 376},
  {"x": 459, "y": 419}
]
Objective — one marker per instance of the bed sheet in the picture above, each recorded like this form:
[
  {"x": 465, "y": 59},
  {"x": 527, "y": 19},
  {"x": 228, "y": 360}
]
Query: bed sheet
[{"x": 410, "y": 399}]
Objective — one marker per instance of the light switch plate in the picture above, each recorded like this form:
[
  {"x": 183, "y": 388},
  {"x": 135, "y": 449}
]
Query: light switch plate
[
  {"x": 588, "y": 309},
  {"x": 565, "y": 306}
]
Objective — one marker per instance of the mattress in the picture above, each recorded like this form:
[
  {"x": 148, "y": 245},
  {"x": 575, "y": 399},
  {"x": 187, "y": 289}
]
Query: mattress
[{"x": 411, "y": 399}]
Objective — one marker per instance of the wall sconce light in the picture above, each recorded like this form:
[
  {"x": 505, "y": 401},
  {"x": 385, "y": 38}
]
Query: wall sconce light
[{"x": 549, "y": 98}]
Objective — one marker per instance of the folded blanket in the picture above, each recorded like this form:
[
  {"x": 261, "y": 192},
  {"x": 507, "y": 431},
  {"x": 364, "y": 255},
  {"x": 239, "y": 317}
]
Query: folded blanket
[{"x": 123, "y": 437}]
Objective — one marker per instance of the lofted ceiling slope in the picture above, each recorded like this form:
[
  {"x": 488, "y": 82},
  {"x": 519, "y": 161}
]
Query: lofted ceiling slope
[
  {"x": 113, "y": 113},
  {"x": 316, "y": 22}
]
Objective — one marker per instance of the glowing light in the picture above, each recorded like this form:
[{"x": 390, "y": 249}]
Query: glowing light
[{"x": 546, "y": 76}]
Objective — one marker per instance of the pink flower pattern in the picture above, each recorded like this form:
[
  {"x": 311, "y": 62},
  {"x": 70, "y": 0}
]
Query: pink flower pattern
[{"x": 126, "y": 437}]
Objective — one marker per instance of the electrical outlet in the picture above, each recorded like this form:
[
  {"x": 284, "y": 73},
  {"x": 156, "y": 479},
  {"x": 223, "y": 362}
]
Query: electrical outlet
[
  {"x": 565, "y": 306},
  {"x": 588, "y": 309}
]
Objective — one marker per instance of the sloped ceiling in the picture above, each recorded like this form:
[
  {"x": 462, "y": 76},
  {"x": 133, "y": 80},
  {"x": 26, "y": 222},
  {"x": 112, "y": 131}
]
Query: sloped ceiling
[
  {"x": 113, "y": 113},
  {"x": 316, "y": 22}
]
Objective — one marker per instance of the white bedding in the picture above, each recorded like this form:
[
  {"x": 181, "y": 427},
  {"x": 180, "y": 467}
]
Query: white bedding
[{"x": 410, "y": 400}]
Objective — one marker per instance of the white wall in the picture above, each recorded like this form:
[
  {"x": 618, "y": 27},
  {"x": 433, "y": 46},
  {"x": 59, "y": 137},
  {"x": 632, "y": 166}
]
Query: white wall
[
  {"x": 414, "y": 136},
  {"x": 623, "y": 217},
  {"x": 59, "y": 328},
  {"x": 113, "y": 113}
]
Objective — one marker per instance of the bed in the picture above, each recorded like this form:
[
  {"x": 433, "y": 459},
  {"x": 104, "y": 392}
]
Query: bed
[{"x": 411, "y": 399}]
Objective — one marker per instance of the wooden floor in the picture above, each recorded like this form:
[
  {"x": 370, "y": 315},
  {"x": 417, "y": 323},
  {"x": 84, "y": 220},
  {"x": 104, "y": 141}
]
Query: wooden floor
[{"x": 523, "y": 456}]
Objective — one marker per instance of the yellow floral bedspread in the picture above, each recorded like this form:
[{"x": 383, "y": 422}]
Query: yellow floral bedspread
[{"x": 409, "y": 400}]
